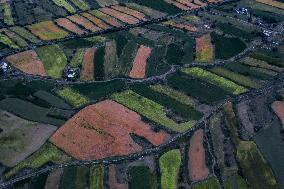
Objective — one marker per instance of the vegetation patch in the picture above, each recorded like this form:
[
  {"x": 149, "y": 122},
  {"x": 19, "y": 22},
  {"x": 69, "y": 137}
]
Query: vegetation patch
[
  {"x": 211, "y": 183},
  {"x": 204, "y": 49},
  {"x": 25, "y": 34},
  {"x": 65, "y": 5},
  {"x": 96, "y": 177},
  {"x": 73, "y": 97},
  {"x": 6, "y": 41},
  {"x": 141, "y": 177}
]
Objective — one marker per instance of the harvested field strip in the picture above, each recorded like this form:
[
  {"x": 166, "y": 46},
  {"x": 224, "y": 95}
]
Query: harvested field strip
[
  {"x": 146, "y": 10},
  {"x": 25, "y": 34},
  {"x": 20, "y": 138},
  {"x": 47, "y": 153},
  {"x": 127, "y": 57},
  {"x": 54, "y": 60},
  {"x": 70, "y": 26},
  {"x": 238, "y": 78},
  {"x": 130, "y": 11},
  {"x": 267, "y": 58},
  {"x": 87, "y": 71},
  {"x": 186, "y": 27},
  {"x": 273, "y": 3},
  {"x": 28, "y": 62},
  {"x": 15, "y": 38},
  {"x": 29, "y": 111},
  {"x": 187, "y": 112},
  {"x": 188, "y": 3},
  {"x": 204, "y": 49},
  {"x": 121, "y": 40},
  {"x": 47, "y": 30},
  {"x": 111, "y": 62},
  {"x": 278, "y": 108},
  {"x": 197, "y": 164},
  {"x": 253, "y": 163},
  {"x": 215, "y": 79},
  {"x": 113, "y": 180},
  {"x": 78, "y": 57},
  {"x": 140, "y": 61},
  {"x": 84, "y": 22},
  {"x": 72, "y": 97},
  {"x": 260, "y": 64},
  {"x": 198, "y": 89},
  {"x": 159, "y": 5},
  {"x": 150, "y": 110},
  {"x": 120, "y": 16},
  {"x": 169, "y": 166},
  {"x": 106, "y": 18},
  {"x": 105, "y": 130},
  {"x": 96, "y": 177},
  {"x": 177, "y": 95},
  {"x": 248, "y": 70},
  {"x": 6, "y": 41},
  {"x": 104, "y": 3},
  {"x": 7, "y": 14},
  {"x": 96, "y": 21},
  {"x": 65, "y": 5},
  {"x": 81, "y": 4},
  {"x": 177, "y": 4},
  {"x": 211, "y": 183}
]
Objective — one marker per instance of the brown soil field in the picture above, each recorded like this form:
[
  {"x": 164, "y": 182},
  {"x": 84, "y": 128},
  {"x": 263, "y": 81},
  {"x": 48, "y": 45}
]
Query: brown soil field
[
  {"x": 111, "y": 60},
  {"x": 188, "y": 3},
  {"x": 87, "y": 71},
  {"x": 28, "y": 62},
  {"x": 200, "y": 3},
  {"x": 70, "y": 26},
  {"x": 103, "y": 130},
  {"x": 196, "y": 165},
  {"x": 130, "y": 11},
  {"x": 96, "y": 21},
  {"x": 106, "y": 18},
  {"x": 53, "y": 179},
  {"x": 139, "y": 65},
  {"x": 278, "y": 108},
  {"x": 120, "y": 16},
  {"x": 177, "y": 4},
  {"x": 84, "y": 22},
  {"x": 187, "y": 27},
  {"x": 20, "y": 138},
  {"x": 113, "y": 184}
]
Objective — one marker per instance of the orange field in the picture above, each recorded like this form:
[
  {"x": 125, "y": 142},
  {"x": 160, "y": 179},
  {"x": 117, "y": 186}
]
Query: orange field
[
  {"x": 120, "y": 16},
  {"x": 28, "y": 62},
  {"x": 113, "y": 184},
  {"x": 182, "y": 26},
  {"x": 68, "y": 25},
  {"x": 177, "y": 4},
  {"x": 103, "y": 130},
  {"x": 204, "y": 49},
  {"x": 87, "y": 71},
  {"x": 140, "y": 62},
  {"x": 196, "y": 165},
  {"x": 96, "y": 21},
  {"x": 84, "y": 22},
  {"x": 278, "y": 108},
  {"x": 132, "y": 12}
]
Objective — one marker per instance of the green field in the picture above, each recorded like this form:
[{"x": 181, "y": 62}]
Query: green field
[
  {"x": 211, "y": 183},
  {"x": 25, "y": 34},
  {"x": 150, "y": 110},
  {"x": 215, "y": 79},
  {"x": 96, "y": 177},
  {"x": 73, "y": 97},
  {"x": 141, "y": 177},
  {"x": 169, "y": 166},
  {"x": 54, "y": 60},
  {"x": 235, "y": 181},
  {"x": 6, "y": 41},
  {"x": 77, "y": 58}
]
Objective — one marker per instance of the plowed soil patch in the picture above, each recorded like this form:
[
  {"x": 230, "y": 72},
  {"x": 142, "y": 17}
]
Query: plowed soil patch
[
  {"x": 103, "y": 130},
  {"x": 120, "y": 16},
  {"x": 140, "y": 62},
  {"x": 278, "y": 108},
  {"x": 132, "y": 12},
  {"x": 196, "y": 165},
  {"x": 28, "y": 62},
  {"x": 67, "y": 24},
  {"x": 87, "y": 72},
  {"x": 84, "y": 22}
]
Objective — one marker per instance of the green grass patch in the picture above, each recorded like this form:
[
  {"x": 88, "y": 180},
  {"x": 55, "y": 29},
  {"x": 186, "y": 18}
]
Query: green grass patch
[
  {"x": 78, "y": 57},
  {"x": 99, "y": 69},
  {"x": 96, "y": 177},
  {"x": 226, "y": 47},
  {"x": 150, "y": 109},
  {"x": 65, "y": 5},
  {"x": 120, "y": 40},
  {"x": 127, "y": 57},
  {"x": 174, "y": 54},
  {"x": 169, "y": 165},
  {"x": 72, "y": 97},
  {"x": 276, "y": 61},
  {"x": 7, "y": 15},
  {"x": 25, "y": 34},
  {"x": 178, "y": 108},
  {"x": 54, "y": 60},
  {"x": 6, "y": 41},
  {"x": 235, "y": 181},
  {"x": 156, "y": 64},
  {"x": 141, "y": 177},
  {"x": 47, "y": 153},
  {"x": 255, "y": 167},
  {"x": 232, "y": 30},
  {"x": 236, "y": 77},
  {"x": 260, "y": 64},
  {"x": 215, "y": 79},
  {"x": 81, "y": 4},
  {"x": 211, "y": 183}
]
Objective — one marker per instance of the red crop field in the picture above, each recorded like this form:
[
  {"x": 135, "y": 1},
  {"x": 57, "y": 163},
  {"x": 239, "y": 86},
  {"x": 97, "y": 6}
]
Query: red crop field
[
  {"x": 278, "y": 108},
  {"x": 96, "y": 21},
  {"x": 130, "y": 11},
  {"x": 196, "y": 165},
  {"x": 120, "y": 16},
  {"x": 87, "y": 71},
  {"x": 103, "y": 130},
  {"x": 84, "y": 22},
  {"x": 28, "y": 62},
  {"x": 140, "y": 62},
  {"x": 70, "y": 26}
]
